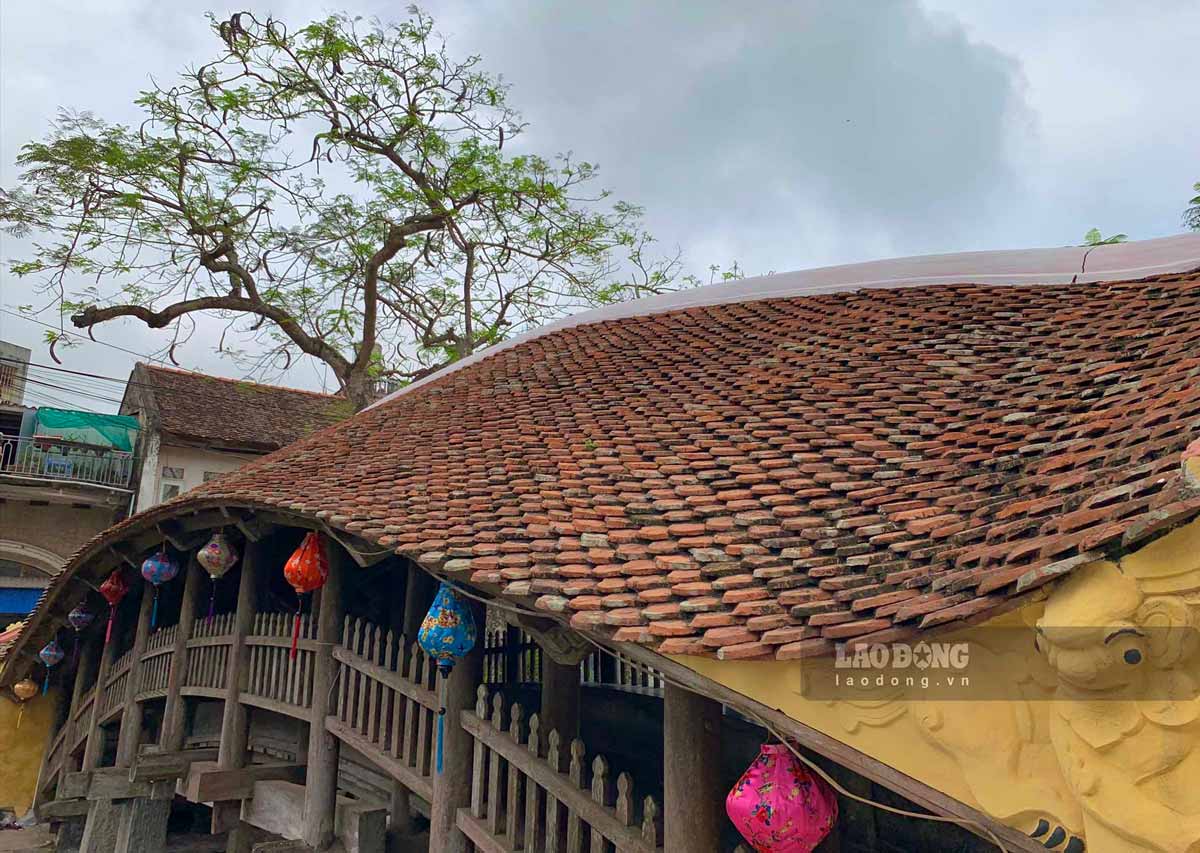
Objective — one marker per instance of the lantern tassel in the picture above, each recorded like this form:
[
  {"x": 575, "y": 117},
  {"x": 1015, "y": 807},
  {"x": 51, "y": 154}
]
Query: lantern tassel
[
  {"x": 108, "y": 630},
  {"x": 212, "y": 600},
  {"x": 46, "y": 682},
  {"x": 154, "y": 610},
  {"x": 441, "y": 725},
  {"x": 75, "y": 651},
  {"x": 295, "y": 633},
  {"x": 20, "y": 714}
]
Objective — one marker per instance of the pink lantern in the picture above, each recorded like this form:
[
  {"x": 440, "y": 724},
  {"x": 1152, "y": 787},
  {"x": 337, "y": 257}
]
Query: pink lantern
[
  {"x": 216, "y": 557},
  {"x": 779, "y": 805}
]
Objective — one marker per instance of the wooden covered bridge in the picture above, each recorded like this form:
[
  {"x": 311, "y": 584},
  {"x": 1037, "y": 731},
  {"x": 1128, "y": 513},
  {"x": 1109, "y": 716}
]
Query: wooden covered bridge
[{"x": 658, "y": 518}]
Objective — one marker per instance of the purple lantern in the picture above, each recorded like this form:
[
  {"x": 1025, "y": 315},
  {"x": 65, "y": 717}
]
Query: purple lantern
[
  {"x": 158, "y": 569},
  {"x": 79, "y": 619},
  {"x": 51, "y": 654}
]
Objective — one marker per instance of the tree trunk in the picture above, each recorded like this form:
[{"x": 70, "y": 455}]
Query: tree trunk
[{"x": 358, "y": 390}]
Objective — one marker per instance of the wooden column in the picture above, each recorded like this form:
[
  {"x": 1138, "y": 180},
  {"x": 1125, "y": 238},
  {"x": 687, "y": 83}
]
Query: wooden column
[
  {"x": 400, "y": 812},
  {"x": 100, "y": 831},
  {"x": 235, "y": 722},
  {"x": 95, "y": 741},
  {"x": 320, "y": 791},
  {"x": 142, "y": 823},
  {"x": 131, "y": 717},
  {"x": 560, "y": 698},
  {"x": 173, "y": 716},
  {"x": 693, "y": 803},
  {"x": 452, "y": 787},
  {"x": 83, "y": 674},
  {"x": 418, "y": 595}
]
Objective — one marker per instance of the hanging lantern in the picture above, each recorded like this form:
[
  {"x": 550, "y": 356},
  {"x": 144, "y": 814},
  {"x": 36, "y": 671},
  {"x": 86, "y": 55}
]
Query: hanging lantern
[
  {"x": 216, "y": 557},
  {"x": 306, "y": 570},
  {"x": 113, "y": 590},
  {"x": 79, "y": 619},
  {"x": 158, "y": 569},
  {"x": 24, "y": 690},
  {"x": 51, "y": 654},
  {"x": 779, "y": 805},
  {"x": 447, "y": 634}
]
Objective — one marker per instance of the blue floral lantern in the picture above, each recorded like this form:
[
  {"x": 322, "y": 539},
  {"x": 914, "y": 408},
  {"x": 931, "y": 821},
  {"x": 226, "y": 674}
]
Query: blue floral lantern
[
  {"x": 158, "y": 569},
  {"x": 51, "y": 654},
  {"x": 447, "y": 634}
]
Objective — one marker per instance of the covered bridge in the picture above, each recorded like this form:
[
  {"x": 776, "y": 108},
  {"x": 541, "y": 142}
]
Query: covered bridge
[{"x": 691, "y": 511}]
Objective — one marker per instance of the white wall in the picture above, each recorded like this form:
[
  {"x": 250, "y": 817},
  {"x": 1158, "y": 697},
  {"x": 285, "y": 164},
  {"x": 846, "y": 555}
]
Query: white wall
[{"x": 193, "y": 461}]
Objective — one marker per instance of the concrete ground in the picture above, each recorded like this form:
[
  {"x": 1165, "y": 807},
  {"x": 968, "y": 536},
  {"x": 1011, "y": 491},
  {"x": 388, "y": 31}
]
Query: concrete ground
[{"x": 37, "y": 838}]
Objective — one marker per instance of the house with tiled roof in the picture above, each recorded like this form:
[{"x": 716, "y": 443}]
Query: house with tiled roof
[
  {"x": 933, "y": 523},
  {"x": 196, "y": 427}
]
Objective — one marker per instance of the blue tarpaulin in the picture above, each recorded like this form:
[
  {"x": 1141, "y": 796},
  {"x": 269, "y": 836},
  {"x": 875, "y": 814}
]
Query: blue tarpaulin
[{"x": 19, "y": 600}]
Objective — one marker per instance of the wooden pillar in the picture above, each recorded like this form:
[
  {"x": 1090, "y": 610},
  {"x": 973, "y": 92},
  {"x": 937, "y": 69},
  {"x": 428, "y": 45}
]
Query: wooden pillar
[
  {"x": 400, "y": 811},
  {"x": 142, "y": 824},
  {"x": 693, "y": 803},
  {"x": 235, "y": 722},
  {"x": 560, "y": 698},
  {"x": 418, "y": 595},
  {"x": 95, "y": 741},
  {"x": 452, "y": 787},
  {"x": 320, "y": 790},
  {"x": 83, "y": 674},
  {"x": 100, "y": 831},
  {"x": 131, "y": 717},
  {"x": 173, "y": 710}
]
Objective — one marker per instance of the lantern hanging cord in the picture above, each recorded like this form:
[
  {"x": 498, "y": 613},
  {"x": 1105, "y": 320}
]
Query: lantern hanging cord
[{"x": 786, "y": 740}]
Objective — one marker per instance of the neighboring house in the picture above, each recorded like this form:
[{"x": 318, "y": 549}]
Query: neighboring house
[
  {"x": 197, "y": 427},
  {"x": 65, "y": 475},
  {"x": 14, "y": 366}
]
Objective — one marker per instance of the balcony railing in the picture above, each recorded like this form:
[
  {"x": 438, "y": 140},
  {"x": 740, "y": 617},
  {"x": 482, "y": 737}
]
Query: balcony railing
[{"x": 50, "y": 459}]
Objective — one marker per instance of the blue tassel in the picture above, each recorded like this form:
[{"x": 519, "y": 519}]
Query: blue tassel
[
  {"x": 441, "y": 725},
  {"x": 46, "y": 686},
  {"x": 154, "y": 611}
]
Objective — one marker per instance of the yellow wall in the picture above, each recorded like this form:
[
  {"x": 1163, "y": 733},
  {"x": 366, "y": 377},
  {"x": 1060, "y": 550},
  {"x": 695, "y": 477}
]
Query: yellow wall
[
  {"x": 21, "y": 749},
  {"x": 1078, "y": 736}
]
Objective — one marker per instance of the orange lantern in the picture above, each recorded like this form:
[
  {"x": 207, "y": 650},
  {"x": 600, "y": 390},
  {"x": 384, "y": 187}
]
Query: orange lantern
[
  {"x": 306, "y": 570},
  {"x": 25, "y": 689}
]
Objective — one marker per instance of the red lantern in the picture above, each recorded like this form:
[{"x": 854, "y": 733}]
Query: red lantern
[
  {"x": 113, "y": 590},
  {"x": 306, "y": 570}
]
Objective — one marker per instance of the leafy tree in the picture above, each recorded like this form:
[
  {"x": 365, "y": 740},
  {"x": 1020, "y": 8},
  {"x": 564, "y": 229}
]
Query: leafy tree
[
  {"x": 348, "y": 190},
  {"x": 1094, "y": 238},
  {"x": 1191, "y": 216}
]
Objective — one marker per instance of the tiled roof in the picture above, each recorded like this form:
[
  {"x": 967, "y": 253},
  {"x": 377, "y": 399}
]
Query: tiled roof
[
  {"x": 767, "y": 477},
  {"x": 770, "y": 477},
  {"x": 235, "y": 413}
]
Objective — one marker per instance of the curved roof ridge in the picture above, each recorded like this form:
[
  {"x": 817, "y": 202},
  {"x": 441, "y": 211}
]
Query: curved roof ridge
[{"x": 1002, "y": 267}]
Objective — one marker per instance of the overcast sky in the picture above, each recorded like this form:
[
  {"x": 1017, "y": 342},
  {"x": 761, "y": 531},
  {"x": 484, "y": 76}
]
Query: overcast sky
[{"x": 784, "y": 135}]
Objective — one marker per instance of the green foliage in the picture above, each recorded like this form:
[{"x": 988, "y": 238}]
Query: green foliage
[
  {"x": 347, "y": 190},
  {"x": 1094, "y": 238},
  {"x": 1191, "y": 216}
]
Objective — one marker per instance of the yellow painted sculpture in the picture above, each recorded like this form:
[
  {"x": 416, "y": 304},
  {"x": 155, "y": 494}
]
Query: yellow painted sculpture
[{"x": 1093, "y": 740}]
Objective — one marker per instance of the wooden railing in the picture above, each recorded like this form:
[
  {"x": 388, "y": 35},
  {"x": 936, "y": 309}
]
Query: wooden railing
[
  {"x": 55, "y": 757},
  {"x": 156, "y": 663},
  {"x": 208, "y": 656},
  {"x": 531, "y": 792},
  {"x": 274, "y": 679},
  {"x": 511, "y": 658},
  {"x": 386, "y": 706},
  {"x": 112, "y": 700}
]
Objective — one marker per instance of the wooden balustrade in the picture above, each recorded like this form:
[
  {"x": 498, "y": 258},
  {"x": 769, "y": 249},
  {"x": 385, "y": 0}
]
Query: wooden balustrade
[
  {"x": 156, "y": 664},
  {"x": 386, "y": 705},
  {"x": 275, "y": 680},
  {"x": 532, "y": 792},
  {"x": 208, "y": 656},
  {"x": 112, "y": 698}
]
